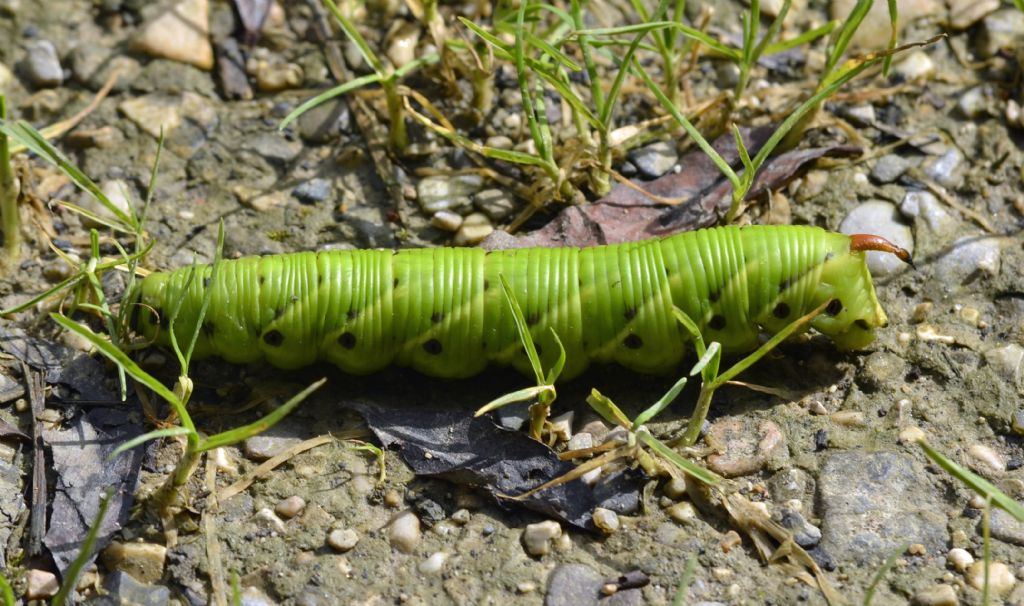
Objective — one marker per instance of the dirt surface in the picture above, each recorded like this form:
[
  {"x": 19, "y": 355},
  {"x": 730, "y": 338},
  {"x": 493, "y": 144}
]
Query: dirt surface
[{"x": 834, "y": 461}]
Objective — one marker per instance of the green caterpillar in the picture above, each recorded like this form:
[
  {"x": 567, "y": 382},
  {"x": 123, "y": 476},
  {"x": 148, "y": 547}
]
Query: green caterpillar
[{"x": 442, "y": 311}]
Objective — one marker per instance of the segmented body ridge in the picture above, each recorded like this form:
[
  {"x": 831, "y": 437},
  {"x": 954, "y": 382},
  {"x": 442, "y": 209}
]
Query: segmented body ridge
[{"x": 443, "y": 312}]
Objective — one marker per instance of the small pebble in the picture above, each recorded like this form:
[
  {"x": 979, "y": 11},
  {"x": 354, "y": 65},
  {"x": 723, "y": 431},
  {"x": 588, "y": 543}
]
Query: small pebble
[
  {"x": 916, "y": 549},
  {"x": 273, "y": 77},
  {"x": 911, "y": 435},
  {"x": 917, "y": 66},
  {"x": 740, "y": 449},
  {"x": 474, "y": 229},
  {"x": 561, "y": 426},
  {"x": 537, "y": 538},
  {"x": 944, "y": 169},
  {"x": 404, "y": 532},
  {"x": 804, "y": 533},
  {"x": 580, "y": 441},
  {"x": 42, "y": 66},
  {"x": 265, "y": 518},
  {"x": 1002, "y": 29},
  {"x": 1007, "y": 361},
  {"x": 888, "y": 168},
  {"x": 1000, "y": 578},
  {"x": 392, "y": 498},
  {"x": 682, "y": 512},
  {"x": 434, "y": 564},
  {"x": 460, "y": 517},
  {"x": 401, "y": 45},
  {"x": 314, "y": 190},
  {"x": 446, "y": 220},
  {"x": 290, "y": 507},
  {"x": 849, "y": 418},
  {"x": 497, "y": 204},
  {"x": 936, "y": 595},
  {"x": 969, "y": 255},
  {"x": 924, "y": 204},
  {"x": 965, "y": 14},
  {"x": 41, "y": 584},
  {"x": 606, "y": 520},
  {"x": 654, "y": 160},
  {"x": 342, "y": 539},
  {"x": 446, "y": 192},
  {"x": 987, "y": 457},
  {"x": 675, "y": 488},
  {"x": 179, "y": 33},
  {"x": 960, "y": 559}
]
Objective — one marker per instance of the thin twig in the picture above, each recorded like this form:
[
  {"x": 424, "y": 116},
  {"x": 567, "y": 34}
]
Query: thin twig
[{"x": 36, "y": 396}]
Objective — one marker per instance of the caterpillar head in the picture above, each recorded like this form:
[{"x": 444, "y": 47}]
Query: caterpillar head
[{"x": 852, "y": 312}]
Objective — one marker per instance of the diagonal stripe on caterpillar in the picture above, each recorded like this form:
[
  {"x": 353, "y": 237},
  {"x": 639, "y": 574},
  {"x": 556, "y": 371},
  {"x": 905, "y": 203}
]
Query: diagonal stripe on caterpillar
[{"x": 442, "y": 310}]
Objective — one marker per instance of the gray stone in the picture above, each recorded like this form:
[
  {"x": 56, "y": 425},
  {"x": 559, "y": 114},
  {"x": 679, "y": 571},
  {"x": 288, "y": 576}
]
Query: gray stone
[
  {"x": 314, "y": 190},
  {"x": 497, "y": 204},
  {"x": 129, "y": 591},
  {"x": 916, "y": 66},
  {"x": 654, "y": 160},
  {"x": 325, "y": 122},
  {"x": 1005, "y": 527},
  {"x": 944, "y": 169},
  {"x": 889, "y": 167},
  {"x": 969, "y": 256},
  {"x": 1001, "y": 29},
  {"x": 874, "y": 502},
  {"x": 42, "y": 66},
  {"x": 924, "y": 205},
  {"x": 573, "y": 585},
  {"x": 92, "y": 64},
  {"x": 805, "y": 534},
  {"x": 448, "y": 192},
  {"x": 274, "y": 441},
  {"x": 882, "y": 219},
  {"x": 274, "y": 147}
]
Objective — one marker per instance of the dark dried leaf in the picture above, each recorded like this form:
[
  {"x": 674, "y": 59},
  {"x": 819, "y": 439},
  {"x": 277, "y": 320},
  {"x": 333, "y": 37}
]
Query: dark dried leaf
[
  {"x": 252, "y": 14},
  {"x": 83, "y": 473},
  {"x": 464, "y": 449},
  {"x": 10, "y": 431},
  {"x": 627, "y": 215}
]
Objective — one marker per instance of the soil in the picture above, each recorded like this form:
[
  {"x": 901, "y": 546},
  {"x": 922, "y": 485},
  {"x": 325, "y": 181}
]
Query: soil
[{"x": 949, "y": 363}]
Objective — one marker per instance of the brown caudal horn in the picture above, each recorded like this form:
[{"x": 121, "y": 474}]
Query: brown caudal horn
[{"x": 871, "y": 242}]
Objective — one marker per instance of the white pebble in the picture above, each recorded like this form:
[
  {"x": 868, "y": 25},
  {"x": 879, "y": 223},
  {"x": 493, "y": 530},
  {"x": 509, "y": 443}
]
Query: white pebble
[
  {"x": 40, "y": 584},
  {"x": 682, "y": 511},
  {"x": 537, "y": 537},
  {"x": 987, "y": 456},
  {"x": 917, "y": 66},
  {"x": 290, "y": 507},
  {"x": 606, "y": 519},
  {"x": 268, "y": 519},
  {"x": 911, "y": 435},
  {"x": 1000, "y": 579},
  {"x": 434, "y": 563},
  {"x": 961, "y": 559},
  {"x": 446, "y": 220},
  {"x": 404, "y": 532},
  {"x": 936, "y": 595},
  {"x": 474, "y": 228},
  {"x": 342, "y": 539},
  {"x": 580, "y": 441},
  {"x": 561, "y": 426}
]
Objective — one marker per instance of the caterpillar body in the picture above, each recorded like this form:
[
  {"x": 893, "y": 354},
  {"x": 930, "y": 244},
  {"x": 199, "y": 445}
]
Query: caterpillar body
[{"x": 443, "y": 312}]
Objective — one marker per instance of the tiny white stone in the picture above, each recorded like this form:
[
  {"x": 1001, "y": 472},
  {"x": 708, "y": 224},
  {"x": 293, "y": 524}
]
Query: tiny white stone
[
  {"x": 561, "y": 426},
  {"x": 580, "y": 441},
  {"x": 911, "y": 435},
  {"x": 404, "y": 532},
  {"x": 960, "y": 559},
  {"x": 537, "y": 537},
  {"x": 290, "y": 507},
  {"x": 446, "y": 220},
  {"x": 987, "y": 456},
  {"x": 936, "y": 595},
  {"x": 342, "y": 539},
  {"x": 475, "y": 227},
  {"x": 606, "y": 520},
  {"x": 268, "y": 519},
  {"x": 434, "y": 563},
  {"x": 917, "y": 66},
  {"x": 682, "y": 511}
]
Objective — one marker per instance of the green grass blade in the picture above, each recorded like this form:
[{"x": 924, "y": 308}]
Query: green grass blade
[
  {"x": 353, "y": 34},
  {"x": 522, "y": 328},
  {"x": 669, "y": 397},
  {"x": 880, "y": 574},
  {"x": 691, "y": 130},
  {"x": 5, "y": 591},
  {"x": 33, "y": 140},
  {"x": 9, "y": 216},
  {"x": 687, "y": 466},
  {"x": 556, "y": 370},
  {"x": 772, "y": 31},
  {"x": 68, "y": 283},
  {"x": 802, "y": 39},
  {"x": 893, "y": 18},
  {"x": 695, "y": 34},
  {"x": 604, "y": 406},
  {"x": 842, "y": 38},
  {"x": 84, "y": 553},
  {"x": 975, "y": 482},
  {"x": 233, "y": 436},
  {"x": 710, "y": 355},
  {"x": 207, "y": 296},
  {"x": 121, "y": 359},
  {"x": 691, "y": 327},
  {"x": 146, "y": 437},
  {"x": 520, "y": 395},
  {"x": 327, "y": 95}
]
